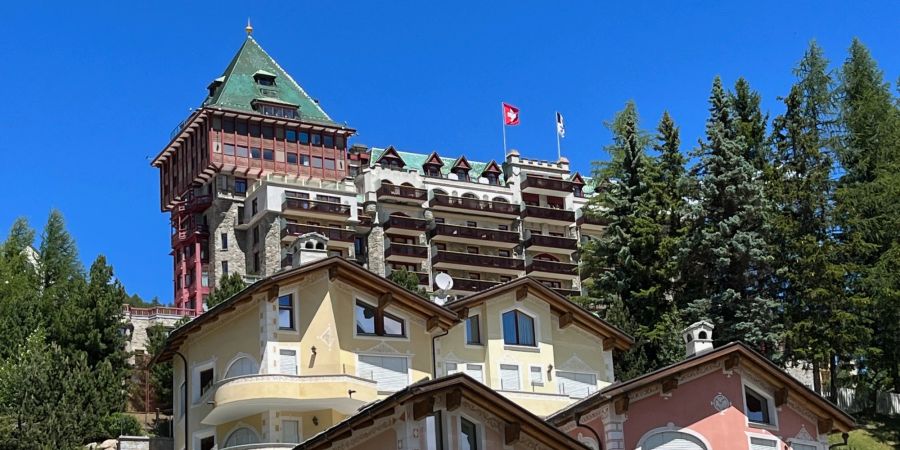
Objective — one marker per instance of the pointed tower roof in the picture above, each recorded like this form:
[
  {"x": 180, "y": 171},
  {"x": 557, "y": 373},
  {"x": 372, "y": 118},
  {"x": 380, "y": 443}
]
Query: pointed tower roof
[{"x": 239, "y": 88}]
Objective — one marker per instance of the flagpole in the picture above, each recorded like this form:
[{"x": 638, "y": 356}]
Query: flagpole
[
  {"x": 558, "y": 147},
  {"x": 503, "y": 125}
]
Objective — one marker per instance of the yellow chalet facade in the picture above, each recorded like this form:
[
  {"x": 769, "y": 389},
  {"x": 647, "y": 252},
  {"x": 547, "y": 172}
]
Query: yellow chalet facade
[
  {"x": 295, "y": 353},
  {"x": 530, "y": 344},
  {"x": 303, "y": 350}
]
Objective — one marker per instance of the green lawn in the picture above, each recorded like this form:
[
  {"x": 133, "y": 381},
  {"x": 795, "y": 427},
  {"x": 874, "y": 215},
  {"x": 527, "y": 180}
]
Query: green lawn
[{"x": 875, "y": 433}]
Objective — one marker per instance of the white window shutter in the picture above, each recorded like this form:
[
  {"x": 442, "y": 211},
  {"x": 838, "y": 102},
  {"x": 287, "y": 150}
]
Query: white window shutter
[
  {"x": 574, "y": 384},
  {"x": 451, "y": 368},
  {"x": 475, "y": 371},
  {"x": 389, "y": 372},
  {"x": 763, "y": 444},
  {"x": 288, "y": 362},
  {"x": 509, "y": 377},
  {"x": 673, "y": 440}
]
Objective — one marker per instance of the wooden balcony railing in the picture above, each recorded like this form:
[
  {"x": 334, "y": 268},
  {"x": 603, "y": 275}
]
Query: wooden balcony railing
[
  {"x": 407, "y": 192},
  {"x": 539, "y": 265},
  {"x": 551, "y": 184},
  {"x": 541, "y": 240},
  {"x": 481, "y": 234},
  {"x": 333, "y": 234},
  {"x": 405, "y": 223},
  {"x": 497, "y": 262},
  {"x": 474, "y": 204},
  {"x": 303, "y": 204},
  {"x": 592, "y": 218},
  {"x": 412, "y": 251},
  {"x": 537, "y": 212},
  {"x": 467, "y": 285},
  {"x": 189, "y": 232}
]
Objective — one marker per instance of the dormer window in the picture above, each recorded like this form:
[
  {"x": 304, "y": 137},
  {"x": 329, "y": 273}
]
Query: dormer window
[
  {"x": 493, "y": 179},
  {"x": 578, "y": 191},
  {"x": 264, "y": 78},
  {"x": 276, "y": 110},
  {"x": 461, "y": 174}
]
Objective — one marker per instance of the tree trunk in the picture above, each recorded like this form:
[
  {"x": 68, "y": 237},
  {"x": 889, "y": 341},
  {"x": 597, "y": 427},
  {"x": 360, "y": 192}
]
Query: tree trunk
[
  {"x": 817, "y": 379},
  {"x": 832, "y": 367}
]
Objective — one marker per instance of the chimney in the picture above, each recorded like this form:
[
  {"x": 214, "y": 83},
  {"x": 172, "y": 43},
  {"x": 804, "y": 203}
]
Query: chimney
[
  {"x": 307, "y": 248},
  {"x": 698, "y": 338}
]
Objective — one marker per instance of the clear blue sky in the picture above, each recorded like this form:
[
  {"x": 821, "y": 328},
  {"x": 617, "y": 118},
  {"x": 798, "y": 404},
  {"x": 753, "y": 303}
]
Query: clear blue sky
[{"x": 92, "y": 91}]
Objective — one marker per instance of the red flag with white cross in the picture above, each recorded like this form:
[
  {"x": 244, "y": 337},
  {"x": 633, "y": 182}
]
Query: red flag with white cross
[{"x": 510, "y": 115}]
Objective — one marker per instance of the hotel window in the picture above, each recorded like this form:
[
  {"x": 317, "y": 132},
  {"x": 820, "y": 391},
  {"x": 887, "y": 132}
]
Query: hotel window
[
  {"x": 578, "y": 191},
  {"x": 224, "y": 268},
  {"x": 208, "y": 443},
  {"x": 473, "y": 330},
  {"x": 256, "y": 235},
  {"x": 504, "y": 278},
  {"x": 472, "y": 250},
  {"x": 229, "y": 149},
  {"x": 518, "y": 328},
  {"x": 304, "y": 160},
  {"x": 242, "y": 151},
  {"x": 255, "y": 153},
  {"x": 241, "y": 127},
  {"x": 268, "y": 154},
  {"x": 493, "y": 179},
  {"x": 268, "y": 132},
  {"x": 471, "y": 223},
  {"x": 286, "y": 312},
  {"x": 287, "y": 359},
  {"x": 758, "y": 407},
  {"x": 468, "y": 434},
  {"x": 207, "y": 377},
  {"x": 536, "y": 376},
  {"x": 340, "y": 141},
  {"x": 763, "y": 444},
  {"x": 503, "y": 253},
  {"x": 304, "y": 137},
  {"x": 462, "y": 175},
  {"x": 509, "y": 377},
  {"x": 317, "y": 162},
  {"x": 316, "y": 139},
  {"x": 290, "y": 135},
  {"x": 329, "y": 163},
  {"x": 224, "y": 237},
  {"x": 240, "y": 185},
  {"x": 228, "y": 125},
  {"x": 328, "y": 141},
  {"x": 432, "y": 171},
  {"x": 256, "y": 262},
  {"x": 254, "y": 208},
  {"x": 441, "y": 246},
  {"x": 292, "y": 158},
  {"x": 371, "y": 322},
  {"x": 255, "y": 130},
  {"x": 503, "y": 227}
]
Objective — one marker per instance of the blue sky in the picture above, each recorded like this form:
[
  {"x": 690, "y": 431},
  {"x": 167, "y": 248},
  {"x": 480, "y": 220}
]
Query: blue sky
[{"x": 93, "y": 89}]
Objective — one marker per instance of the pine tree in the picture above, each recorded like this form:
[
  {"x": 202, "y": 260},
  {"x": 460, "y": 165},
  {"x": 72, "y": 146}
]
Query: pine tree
[
  {"x": 750, "y": 123},
  {"x": 726, "y": 256},
  {"x": 408, "y": 280},
  {"x": 229, "y": 285},
  {"x": 867, "y": 211},
  {"x": 20, "y": 312}
]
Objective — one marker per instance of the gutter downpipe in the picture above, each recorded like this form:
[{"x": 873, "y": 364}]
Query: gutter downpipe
[
  {"x": 578, "y": 424},
  {"x": 434, "y": 353},
  {"x": 184, "y": 405}
]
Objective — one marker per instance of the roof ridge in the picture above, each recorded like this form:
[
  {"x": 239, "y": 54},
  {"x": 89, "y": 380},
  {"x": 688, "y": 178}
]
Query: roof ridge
[{"x": 289, "y": 77}]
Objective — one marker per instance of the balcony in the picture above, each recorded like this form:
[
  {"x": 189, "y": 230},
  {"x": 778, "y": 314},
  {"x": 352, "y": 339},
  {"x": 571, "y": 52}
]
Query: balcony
[
  {"x": 546, "y": 186},
  {"x": 194, "y": 204},
  {"x": 474, "y": 236},
  {"x": 405, "y": 253},
  {"x": 188, "y": 233},
  {"x": 239, "y": 397},
  {"x": 406, "y": 226},
  {"x": 337, "y": 237},
  {"x": 262, "y": 446},
  {"x": 567, "y": 292},
  {"x": 552, "y": 269},
  {"x": 553, "y": 216},
  {"x": 472, "y": 262},
  {"x": 314, "y": 208},
  {"x": 553, "y": 244},
  {"x": 468, "y": 285},
  {"x": 474, "y": 205},
  {"x": 401, "y": 194}
]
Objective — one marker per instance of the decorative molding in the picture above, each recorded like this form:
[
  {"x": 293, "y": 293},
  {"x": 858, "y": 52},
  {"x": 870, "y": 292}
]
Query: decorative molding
[
  {"x": 802, "y": 410},
  {"x": 720, "y": 403},
  {"x": 588, "y": 441},
  {"x": 358, "y": 437},
  {"x": 699, "y": 371},
  {"x": 644, "y": 392},
  {"x": 490, "y": 421},
  {"x": 327, "y": 337},
  {"x": 383, "y": 348},
  {"x": 756, "y": 380},
  {"x": 804, "y": 435}
]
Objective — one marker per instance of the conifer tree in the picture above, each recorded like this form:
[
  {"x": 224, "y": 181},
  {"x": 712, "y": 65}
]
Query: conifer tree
[
  {"x": 867, "y": 210},
  {"x": 750, "y": 123},
  {"x": 20, "y": 311},
  {"x": 726, "y": 256},
  {"x": 409, "y": 281},
  {"x": 229, "y": 285}
]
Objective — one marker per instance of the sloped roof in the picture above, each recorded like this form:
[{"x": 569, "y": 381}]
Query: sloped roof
[
  {"x": 416, "y": 160},
  {"x": 239, "y": 88}
]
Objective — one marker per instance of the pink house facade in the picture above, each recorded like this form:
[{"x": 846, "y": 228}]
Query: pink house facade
[{"x": 730, "y": 398}]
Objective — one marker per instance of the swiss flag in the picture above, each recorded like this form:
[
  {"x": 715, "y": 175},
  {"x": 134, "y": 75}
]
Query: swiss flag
[{"x": 510, "y": 115}]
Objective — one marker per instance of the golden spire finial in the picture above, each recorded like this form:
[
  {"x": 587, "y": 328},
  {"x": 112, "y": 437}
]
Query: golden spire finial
[{"x": 249, "y": 28}]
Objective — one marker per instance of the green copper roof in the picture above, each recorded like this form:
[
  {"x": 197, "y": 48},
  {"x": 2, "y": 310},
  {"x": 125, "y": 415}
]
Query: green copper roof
[
  {"x": 415, "y": 160},
  {"x": 239, "y": 87}
]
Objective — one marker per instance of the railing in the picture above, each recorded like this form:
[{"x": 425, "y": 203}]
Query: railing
[
  {"x": 304, "y": 204},
  {"x": 412, "y": 251},
  {"x": 423, "y": 278},
  {"x": 409, "y": 192},
  {"x": 498, "y": 262},
  {"x": 467, "y": 285},
  {"x": 567, "y": 292},
  {"x": 552, "y": 184},
  {"x": 133, "y": 311},
  {"x": 183, "y": 235},
  {"x": 539, "y": 265},
  {"x": 475, "y": 204},
  {"x": 195, "y": 203},
  {"x": 538, "y": 212},
  {"x": 333, "y": 234},
  {"x": 592, "y": 218},
  {"x": 481, "y": 234},
  {"x": 405, "y": 223},
  {"x": 540, "y": 240},
  {"x": 262, "y": 446}
]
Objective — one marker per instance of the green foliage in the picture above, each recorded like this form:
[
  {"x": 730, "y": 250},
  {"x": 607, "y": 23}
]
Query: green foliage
[
  {"x": 161, "y": 373},
  {"x": 120, "y": 424},
  {"x": 408, "y": 280},
  {"x": 229, "y": 285}
]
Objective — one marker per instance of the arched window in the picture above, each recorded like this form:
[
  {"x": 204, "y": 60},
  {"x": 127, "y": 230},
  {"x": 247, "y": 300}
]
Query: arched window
[
  {"x": 399, "y": 214},
  {"x": 518, "y": 328},
  {"x": 470, "y": 195},
  {"x": 241, "y": 366},
  {"x": 439, "y": 192},
  {"x": 407, "y": 184},
  {"x": 500, "y": 200},
  {"x": 546, "y": 257},
  {"x": 241, "y": 436},
  {"x": 672, "y": 440}
]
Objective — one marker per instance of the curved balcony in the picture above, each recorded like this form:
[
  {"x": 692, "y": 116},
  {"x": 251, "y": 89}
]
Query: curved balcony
[
  {"x": 474, "y": 236},
  {"x": 240, "y": 397},
  {"x": 552, "y": 216},
  {"x": 590, "y": 221},
  {"x": 189, "y": 232},
  {"x": 466, "y": 205}
]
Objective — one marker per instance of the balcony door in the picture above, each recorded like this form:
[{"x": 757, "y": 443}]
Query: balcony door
[{"x": 389, "y": 372}]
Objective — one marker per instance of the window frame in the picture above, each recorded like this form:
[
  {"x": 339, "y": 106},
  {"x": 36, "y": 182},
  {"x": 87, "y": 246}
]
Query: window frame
[
  {"x": 518, "y": 343},
  {"x": 291, "y": 309},
  {"x": 478, "y": 427},
  {"x": 540, "y": 371},
  {"x": 518, "y": 367},
  {"x": 476, "y": 318},
  {"x": 767, "y": 437},
  {"x": 770, "y": 403},
  {"x": 378, "y": 321},
  {"x": 196, "y": 388}
]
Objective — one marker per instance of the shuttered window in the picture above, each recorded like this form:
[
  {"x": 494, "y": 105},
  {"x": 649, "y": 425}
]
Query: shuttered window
[
  {"x": 574, "y": 384},
  {"x": 288, "y": 362},
  {"x": 537, "y": 376},
  {"x": 763, "y": 444},
  {"x": 475, "y": 371},
  {"x": 290, "y": 431},
  {"x": 509, "y": 377},
  {"x": 798, "y": 446},
  {"x": 451, "y": 368},
  {"x": 243, "y": 366},
  {"x": 389, "y": 372},
  {"x": 673, "y": 440}
]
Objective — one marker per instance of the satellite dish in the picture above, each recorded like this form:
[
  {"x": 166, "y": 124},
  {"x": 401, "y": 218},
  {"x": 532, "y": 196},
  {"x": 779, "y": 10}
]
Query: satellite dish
[{"x": 443, "y": 281}]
